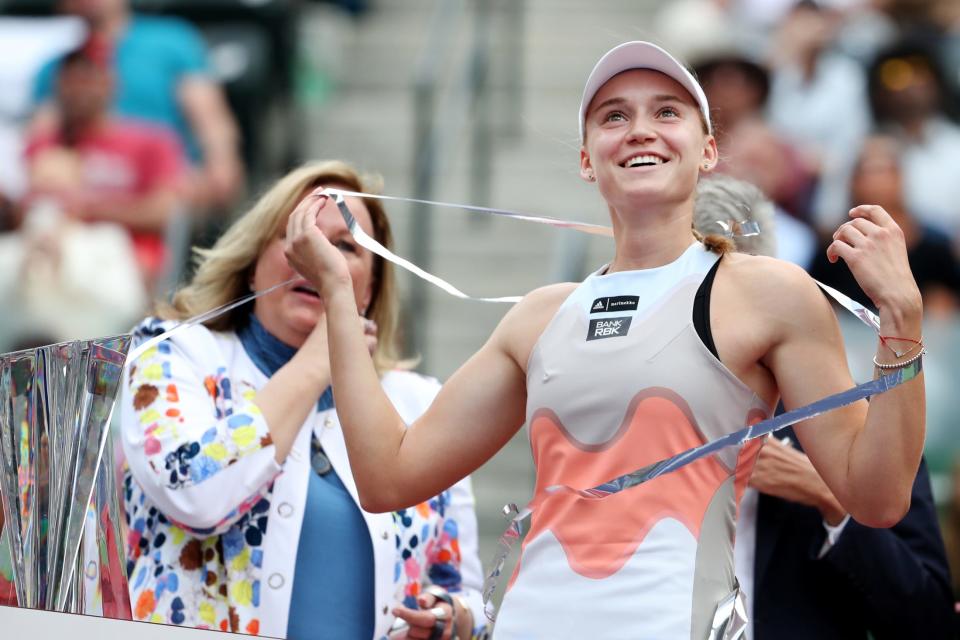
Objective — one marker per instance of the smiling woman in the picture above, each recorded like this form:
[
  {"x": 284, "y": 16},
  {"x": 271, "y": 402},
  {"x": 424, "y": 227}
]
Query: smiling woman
[
  {"x": 233, "y": 425},
  {"x": 667, "y": 346}
]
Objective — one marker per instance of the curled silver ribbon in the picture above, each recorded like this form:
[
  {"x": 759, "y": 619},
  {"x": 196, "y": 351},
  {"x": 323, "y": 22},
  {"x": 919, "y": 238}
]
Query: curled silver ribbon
[
  {"x": 375, "y": 247},
  {"x": 735, "y": 228},
  {"x": 745, "y": 229},
  {"x": 730, "y": 229},
  {"x": 585, "y": 227}
]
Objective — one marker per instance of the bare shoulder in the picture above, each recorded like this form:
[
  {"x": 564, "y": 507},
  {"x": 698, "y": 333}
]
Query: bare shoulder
[
  {"x": 764, "y": 270},
  {"x": 769, "y": 278},
  {"x": 776, "y": 290},
  {"x": 522, "y": 325},
  {"x": 536, "y": 308},
  {"x": 551, "y": 295}
]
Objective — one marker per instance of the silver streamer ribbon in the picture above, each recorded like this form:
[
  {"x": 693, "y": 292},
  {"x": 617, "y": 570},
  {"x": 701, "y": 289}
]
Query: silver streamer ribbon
[
  {"x": 514, "y": 530},
  {"x": 206, "y": 316},
  {"x": 731, "y": 229},
  {"x": 515, "y": 515},
  {"x": 371, "y": 245},
  {"x": 585, "y": 227},
  {"x": 376, "y": 248},
  {"x": 835, "y": 401}
]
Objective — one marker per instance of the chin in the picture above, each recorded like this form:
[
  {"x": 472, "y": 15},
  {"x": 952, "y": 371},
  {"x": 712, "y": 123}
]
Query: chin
[
  {"x": 301, "y": 320},
  {"x": 657, "y": 191},
  {"x": 304, "y": 323},
  {"x": 636, "y": 195}
]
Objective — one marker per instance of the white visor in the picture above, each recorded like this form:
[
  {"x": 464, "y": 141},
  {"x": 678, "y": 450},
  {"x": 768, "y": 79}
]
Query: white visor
[{"x": 640, "y": 55}]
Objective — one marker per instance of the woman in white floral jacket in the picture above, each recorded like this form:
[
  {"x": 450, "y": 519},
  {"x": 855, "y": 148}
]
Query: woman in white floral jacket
[{"x": 242, "y": 509}]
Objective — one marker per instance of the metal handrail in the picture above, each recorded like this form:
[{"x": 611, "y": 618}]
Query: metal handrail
[
  {"x": 427, "y": 149},
  {"x": 469, "y": 95}
]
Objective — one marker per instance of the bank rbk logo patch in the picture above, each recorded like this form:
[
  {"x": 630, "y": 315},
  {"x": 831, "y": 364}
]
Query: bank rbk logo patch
[
  {"x": 615, "y": 303},
  {"x": 608, "y": 328}
]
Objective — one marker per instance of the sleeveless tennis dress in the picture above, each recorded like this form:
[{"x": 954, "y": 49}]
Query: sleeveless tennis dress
[{"x": 620, "y": 379}]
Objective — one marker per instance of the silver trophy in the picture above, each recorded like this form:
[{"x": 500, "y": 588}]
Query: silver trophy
[{"x": 62, "y": 521}]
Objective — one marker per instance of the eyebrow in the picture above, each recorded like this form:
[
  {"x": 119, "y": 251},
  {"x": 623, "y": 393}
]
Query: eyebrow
[
  {"x": 662, "y": 97},
  {"x": 669, "y": 97},
  {"x": 608, "y": 103}
]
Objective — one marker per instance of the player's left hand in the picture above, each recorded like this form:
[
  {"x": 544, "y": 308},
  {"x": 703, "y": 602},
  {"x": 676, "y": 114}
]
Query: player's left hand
[{"x": 873, "y": 246}]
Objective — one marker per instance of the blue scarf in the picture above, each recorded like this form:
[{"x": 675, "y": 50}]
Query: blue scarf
[{"x": 269, "y": 354}]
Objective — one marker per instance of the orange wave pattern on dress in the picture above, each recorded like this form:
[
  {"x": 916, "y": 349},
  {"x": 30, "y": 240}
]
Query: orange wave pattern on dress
[{"x": 599, "y": 536}]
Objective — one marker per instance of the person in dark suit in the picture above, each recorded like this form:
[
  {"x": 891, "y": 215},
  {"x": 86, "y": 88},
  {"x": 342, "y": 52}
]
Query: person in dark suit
[{"x": 817, "y": 576}]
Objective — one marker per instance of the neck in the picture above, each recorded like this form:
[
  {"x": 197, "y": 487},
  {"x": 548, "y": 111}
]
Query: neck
[
  {"x": 650, "y": 238},
  {"x": 269, "y": 351},
  {"x": 75, "y": 128},
  {"x": 110, "y": 26},
  {"x": 283, "y": 332},
  {"x": 289, "y": 337},
  {"x": 915, "y": 128},
  {"x": 808, "y": 66},
  {"x": 906, "y": 223}
]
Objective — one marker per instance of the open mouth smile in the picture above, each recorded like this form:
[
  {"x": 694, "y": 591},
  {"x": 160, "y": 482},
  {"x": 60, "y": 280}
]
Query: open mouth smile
[
  {"x": 643, "y": 160},
  {"x": 306, "y": 290}
]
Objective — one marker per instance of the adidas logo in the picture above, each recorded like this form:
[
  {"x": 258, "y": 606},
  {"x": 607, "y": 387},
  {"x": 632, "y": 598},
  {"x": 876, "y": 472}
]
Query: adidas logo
[{"x": 615, "y": 303}]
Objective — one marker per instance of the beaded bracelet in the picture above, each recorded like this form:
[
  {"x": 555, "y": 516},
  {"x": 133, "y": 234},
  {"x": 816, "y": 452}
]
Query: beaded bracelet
[{"x": 899, "y": 365}]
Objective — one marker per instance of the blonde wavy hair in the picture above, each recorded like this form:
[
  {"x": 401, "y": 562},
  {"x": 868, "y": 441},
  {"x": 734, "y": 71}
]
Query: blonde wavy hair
[{"x": 224, "y": 271}]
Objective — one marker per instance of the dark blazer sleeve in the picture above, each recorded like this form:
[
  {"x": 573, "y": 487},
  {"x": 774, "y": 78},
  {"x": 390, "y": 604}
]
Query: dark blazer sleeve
[
  {"x": 900, "y": 573},
  {"x": 892, "y": 583}
]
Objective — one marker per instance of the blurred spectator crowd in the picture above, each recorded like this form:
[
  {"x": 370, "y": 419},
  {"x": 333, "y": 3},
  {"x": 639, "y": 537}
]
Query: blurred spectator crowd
[
  {"x": 826, "y": 105},
  {"x": 125, "y": 138},
  {"x": 120, "y": 134}
]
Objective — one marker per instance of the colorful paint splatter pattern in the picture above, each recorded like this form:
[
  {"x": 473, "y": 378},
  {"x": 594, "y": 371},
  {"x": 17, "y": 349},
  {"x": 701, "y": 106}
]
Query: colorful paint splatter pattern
[{"x": 211, "y": 578}]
